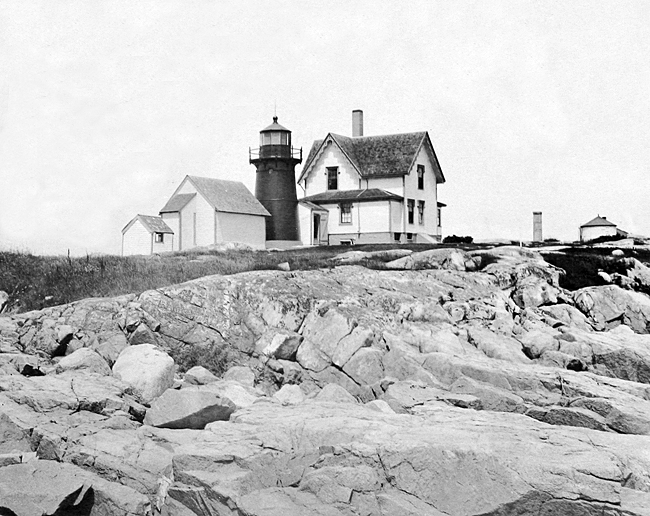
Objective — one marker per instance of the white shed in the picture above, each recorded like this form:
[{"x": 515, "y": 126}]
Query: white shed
[
  {"x": 205, "y": 211},
  {"x": 596, "y": 228},
  {"x": 146, "y": 234}
]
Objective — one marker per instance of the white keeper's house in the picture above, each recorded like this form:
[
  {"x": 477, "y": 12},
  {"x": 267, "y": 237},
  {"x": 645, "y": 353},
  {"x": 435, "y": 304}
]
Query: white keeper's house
[
  {"x": 202, "y": 211},
  {"x": 370, "y": 189}
]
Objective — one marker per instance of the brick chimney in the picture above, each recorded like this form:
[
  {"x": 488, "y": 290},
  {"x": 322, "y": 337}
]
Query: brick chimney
[{"x": 357, "y": 123}]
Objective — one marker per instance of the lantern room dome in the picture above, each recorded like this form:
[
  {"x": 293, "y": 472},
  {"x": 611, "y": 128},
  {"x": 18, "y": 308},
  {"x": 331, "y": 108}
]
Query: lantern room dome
[
  {"x": 275, "y": 134},
  {"x": 275, "y": 127}
]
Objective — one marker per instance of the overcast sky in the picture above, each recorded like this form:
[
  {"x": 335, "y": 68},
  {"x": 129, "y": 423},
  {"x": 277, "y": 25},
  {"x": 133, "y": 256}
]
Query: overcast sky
[{"x": 530, "y": 105}]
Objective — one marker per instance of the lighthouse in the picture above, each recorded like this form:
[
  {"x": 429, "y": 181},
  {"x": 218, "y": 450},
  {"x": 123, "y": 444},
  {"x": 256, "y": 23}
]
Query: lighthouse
[{"x": 275, "y": 184}]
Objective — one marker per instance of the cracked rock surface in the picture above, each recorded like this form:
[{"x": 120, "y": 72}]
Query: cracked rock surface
[{"x": 451, "y": 383}]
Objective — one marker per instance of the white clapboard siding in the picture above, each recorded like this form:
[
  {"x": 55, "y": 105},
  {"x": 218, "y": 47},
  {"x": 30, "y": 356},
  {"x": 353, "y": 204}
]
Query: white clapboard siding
[{"x": 136, "y": 240}]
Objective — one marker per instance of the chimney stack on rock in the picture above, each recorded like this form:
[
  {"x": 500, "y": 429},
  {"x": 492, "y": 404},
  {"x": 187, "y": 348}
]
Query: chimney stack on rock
[{"x": 357, "y": 123}]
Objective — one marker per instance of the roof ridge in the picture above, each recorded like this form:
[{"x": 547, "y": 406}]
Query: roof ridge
[{"x": 384, "y": 135}]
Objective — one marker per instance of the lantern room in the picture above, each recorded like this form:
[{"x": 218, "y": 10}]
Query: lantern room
[
  {"x": 275, "y": 142},
  {"x": 275, "y": 134}
]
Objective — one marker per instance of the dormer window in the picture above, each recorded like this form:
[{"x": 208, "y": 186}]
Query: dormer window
[
  {"x": 332, "y": 178},
  {"x": 420, "y": 177}
]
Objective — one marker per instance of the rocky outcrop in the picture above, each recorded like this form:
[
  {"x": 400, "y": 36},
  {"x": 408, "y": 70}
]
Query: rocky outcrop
[
  {"x": 450, "y": 383},
  {"x": 45, "y": 487}
]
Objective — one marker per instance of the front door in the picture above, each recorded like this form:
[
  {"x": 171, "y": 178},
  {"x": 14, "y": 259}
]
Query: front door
[
  {"x": 319, "y": 229},
  {"x": 322, "y": 235},
  {"x": 315, "y": 237}
]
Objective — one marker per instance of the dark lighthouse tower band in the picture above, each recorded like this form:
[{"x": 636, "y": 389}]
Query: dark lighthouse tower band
[{"x": 275, "y": 184}]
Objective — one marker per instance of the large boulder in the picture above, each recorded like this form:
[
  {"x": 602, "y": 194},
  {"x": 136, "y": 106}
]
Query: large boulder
[
  {"x": 279, "y": 344},
  {"x": 609, "y": 305},
  {"x": 110, "y": 347},
  {"x": 199, "y": 375},
  {"x": 354, "y": 257},
  {"x": 241, "y": 374},
  {"x": 335, "y": 393},
  {"x": 146, "y": 368},
  {"x": 197, "y": 405},
  {"x": 451, "y": 259},
  {"x": 290, "y": 395},
  {"x": 84, "y": 359}
]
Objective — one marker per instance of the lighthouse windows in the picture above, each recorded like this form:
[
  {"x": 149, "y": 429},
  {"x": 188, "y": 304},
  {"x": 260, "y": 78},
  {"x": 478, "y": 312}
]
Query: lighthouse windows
[
  {"x": 332, "y": 178},
  {"x": 274, "y": 138}
]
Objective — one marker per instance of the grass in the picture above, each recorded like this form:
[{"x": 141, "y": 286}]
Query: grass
[{"x": 35, "y": 282}]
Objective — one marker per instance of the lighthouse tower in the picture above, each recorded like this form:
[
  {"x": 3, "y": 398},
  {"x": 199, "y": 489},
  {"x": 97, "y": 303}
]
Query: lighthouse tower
[{"x": 275, "y": 184}]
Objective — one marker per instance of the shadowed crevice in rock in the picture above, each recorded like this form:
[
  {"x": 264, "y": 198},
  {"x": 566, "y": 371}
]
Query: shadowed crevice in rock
[{"x": 79, "y": 503}]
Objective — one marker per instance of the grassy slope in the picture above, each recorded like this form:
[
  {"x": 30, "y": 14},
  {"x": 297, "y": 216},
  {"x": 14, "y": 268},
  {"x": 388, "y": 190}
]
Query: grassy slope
[{"x": 35, "y": 282}]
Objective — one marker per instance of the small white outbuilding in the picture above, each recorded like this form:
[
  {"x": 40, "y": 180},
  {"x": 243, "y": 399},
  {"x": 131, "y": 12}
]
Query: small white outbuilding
[
  {"x": 599, "y": 227},
  {"x": 206, "y": 211},
  {"x": 146, "y": 234}
]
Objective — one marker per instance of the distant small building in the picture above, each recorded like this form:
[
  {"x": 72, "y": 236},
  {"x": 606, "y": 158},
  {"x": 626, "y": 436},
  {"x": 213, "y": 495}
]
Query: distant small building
[
  {"x": 205, "y": 211},
  {"x": 599, "y": 227},
  {"x": 146, "y": 234}
]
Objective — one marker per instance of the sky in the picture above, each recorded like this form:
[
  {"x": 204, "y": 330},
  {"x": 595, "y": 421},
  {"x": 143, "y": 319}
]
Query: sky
[{"x": 530, "y": 105}]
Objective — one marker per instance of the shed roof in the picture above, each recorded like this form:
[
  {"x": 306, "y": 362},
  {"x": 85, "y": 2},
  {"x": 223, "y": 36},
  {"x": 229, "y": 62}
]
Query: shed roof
[
  {"x": 228, "y": 196},
  {"x": 387, "y": 155},
  {"x": 151, "y": 223},
  {"x": 598, "y": 221},
  {"x": 177, "y": 202},
  {"x": 370, "y": 194}
]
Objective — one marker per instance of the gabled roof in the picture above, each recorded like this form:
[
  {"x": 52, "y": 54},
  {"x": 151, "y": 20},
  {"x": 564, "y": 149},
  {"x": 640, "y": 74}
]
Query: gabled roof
[
  {"x": 334, "y": 196},
  {"x": 177, "y": 202},
  {"x": 151, "y": 223},
  {"x": 226, "y": 196},
  {"x": 378, "y": 156},
  {"x": 598, "y": 221}
]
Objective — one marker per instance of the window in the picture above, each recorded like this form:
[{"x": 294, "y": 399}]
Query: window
[
  {"x": 420, "y": 212},
  {"x": 332, "y": 178},
  {"x": 411, "y": 208},
  {"x": 346, "y": 213},
  {"x": 420, "y": 177},
  {"x": 159, "y": 238},
  {"x": 397, "y": 237},
  {"x": 409, "y": 237},
  {"x": 439, "y": 217}
]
